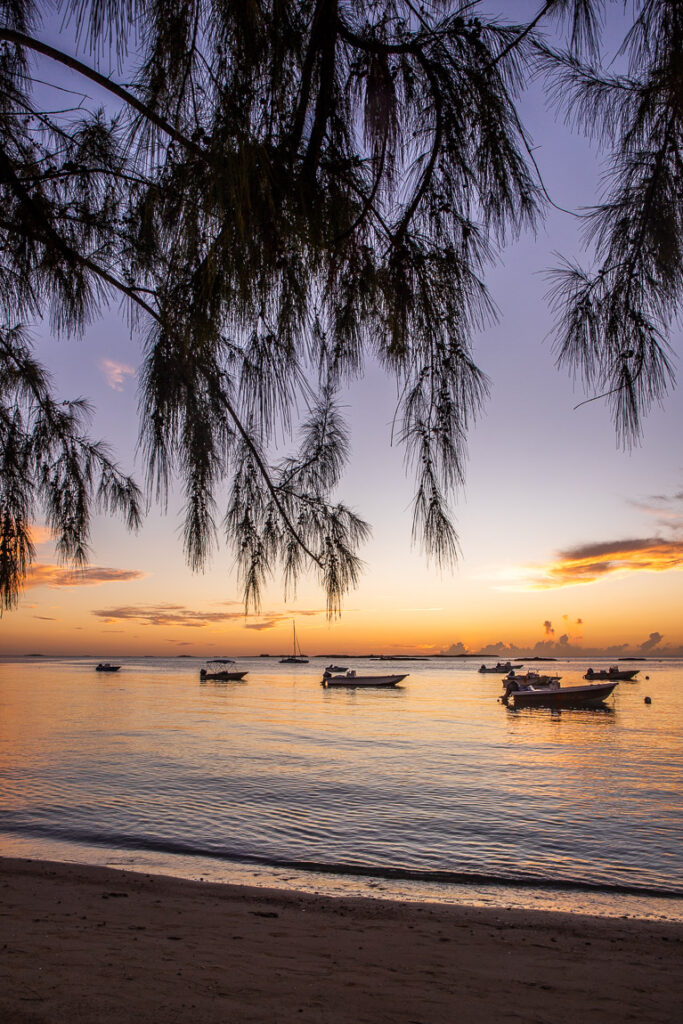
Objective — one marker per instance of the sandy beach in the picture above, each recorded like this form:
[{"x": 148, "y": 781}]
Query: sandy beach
[{"x": 89, "y": 944}]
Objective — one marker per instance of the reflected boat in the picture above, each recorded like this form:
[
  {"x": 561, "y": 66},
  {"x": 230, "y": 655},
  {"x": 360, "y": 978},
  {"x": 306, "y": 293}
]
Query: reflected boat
[
  {"x": 296, "y": 657},
  {"x": 613, "y": 672},
  {"x": 554, "y": 696},
  {"x": 501, "y": 668},
  {"x": 222, "y": 675},
  {"x": 531, "y": 679},
  {"x": 349, "y": 678}
]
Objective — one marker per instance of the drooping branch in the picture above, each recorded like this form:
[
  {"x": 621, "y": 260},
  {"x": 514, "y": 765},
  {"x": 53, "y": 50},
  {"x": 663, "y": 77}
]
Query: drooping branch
[
  {"x": 435, "y": 151},
  {"x": 328, "y": 30},
  {"x": 42, "y": 230},
  {"x": 21, "y": 39}
]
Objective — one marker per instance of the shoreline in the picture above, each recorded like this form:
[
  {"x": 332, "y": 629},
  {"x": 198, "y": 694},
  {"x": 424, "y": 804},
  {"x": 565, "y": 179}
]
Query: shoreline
[
  {"x": 94, "y": 944},
  {"x": 359, "y": 882}
]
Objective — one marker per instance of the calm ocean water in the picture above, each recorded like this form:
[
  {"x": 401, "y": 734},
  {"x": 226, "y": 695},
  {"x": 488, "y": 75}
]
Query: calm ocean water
[{"x": 430, "y": 791}]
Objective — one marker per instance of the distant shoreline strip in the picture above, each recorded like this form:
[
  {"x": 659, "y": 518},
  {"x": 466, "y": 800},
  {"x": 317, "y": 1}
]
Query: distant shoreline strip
[{"x": 131, "y": 843}]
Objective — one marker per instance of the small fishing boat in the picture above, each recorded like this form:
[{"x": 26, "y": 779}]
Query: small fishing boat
[
  {"x": 349, "y": 678},
  {"x": 613, "y": 672},
  {"x": 556, "y": 696},
  {"x": 105, "y": 666},
  {"x": 221, "y": 675},
  {"x": 531, "y": 678},
  {"x": 502, "y": 668},
  {"x": 296, "y": 657},
  {"x": 336, "y": 668}
]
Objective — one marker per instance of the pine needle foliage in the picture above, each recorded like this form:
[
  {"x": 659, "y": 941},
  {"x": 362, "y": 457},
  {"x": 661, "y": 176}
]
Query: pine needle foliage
[
  {"x": 280, "y": 191},
  {"x": 49, "y": 465},
  {"x": 613, "y": 322}
]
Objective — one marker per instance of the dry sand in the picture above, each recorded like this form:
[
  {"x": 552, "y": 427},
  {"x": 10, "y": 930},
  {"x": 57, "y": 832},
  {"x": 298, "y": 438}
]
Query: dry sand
[{"x": 86, "y": 944}]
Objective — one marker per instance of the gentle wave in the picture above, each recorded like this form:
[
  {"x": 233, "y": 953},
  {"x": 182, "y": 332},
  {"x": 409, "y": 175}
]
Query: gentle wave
[
  {"x": 131, "y": 842},
  {"x": 434, "y": 784}
]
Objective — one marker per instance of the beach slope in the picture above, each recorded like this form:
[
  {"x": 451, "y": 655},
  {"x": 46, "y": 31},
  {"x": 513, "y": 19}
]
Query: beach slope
[{"x": 89, "y": 945}]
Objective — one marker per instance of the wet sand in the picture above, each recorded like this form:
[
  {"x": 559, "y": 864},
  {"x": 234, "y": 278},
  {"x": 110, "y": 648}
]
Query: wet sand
[{"x": 87, "y": 944}]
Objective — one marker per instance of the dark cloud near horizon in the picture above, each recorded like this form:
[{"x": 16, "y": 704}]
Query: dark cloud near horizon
[
  {"x": 548, "y": 628},
  {"x": 653, "y": 640},
  {"x": 558, "y": 649}
]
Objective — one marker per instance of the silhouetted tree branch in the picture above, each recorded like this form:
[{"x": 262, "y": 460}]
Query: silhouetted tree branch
[{"x": 282, "y": 191}]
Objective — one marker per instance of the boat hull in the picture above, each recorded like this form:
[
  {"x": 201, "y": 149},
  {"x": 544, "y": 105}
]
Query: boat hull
[
  {"x": 565, "y": 697},
  {"x": 624, "y": 676},
  {"x": 532, "y": 679},
  {"x": 356, "y": 681},
  {"x": 499, "y": 670},
  {"x": 222, "y": 677}
]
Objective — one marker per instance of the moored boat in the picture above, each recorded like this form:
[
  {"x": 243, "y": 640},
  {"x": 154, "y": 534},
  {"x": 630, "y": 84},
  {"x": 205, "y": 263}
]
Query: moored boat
[
  {"x": 502, "y": 668},
  {"x": 336, "y": 668},
  {"x": 613, "y": 672},
  {"x": 296, "y": 657},
  {"x": 556, "y": 696},
  {"x": 221, "y": 675},
  {"x": 531, "y": 678},
  {"x": 105, "y": 666},
  {"x": 349, "y": 678}
]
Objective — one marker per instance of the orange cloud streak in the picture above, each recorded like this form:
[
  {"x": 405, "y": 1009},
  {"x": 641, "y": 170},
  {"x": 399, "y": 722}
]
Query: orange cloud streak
[
  {"x": 166, "y": 614},
  {"x": 40, "y": 534},
  {"x": 594, "y": 562},
  {"x": 41, "y": 574}
]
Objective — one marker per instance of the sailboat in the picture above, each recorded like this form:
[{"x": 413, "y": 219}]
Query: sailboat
[{"x": 296, "y": 657}]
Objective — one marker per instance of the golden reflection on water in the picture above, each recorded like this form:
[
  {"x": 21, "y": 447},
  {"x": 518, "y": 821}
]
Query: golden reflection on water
[{"x": 435, "y": 774}]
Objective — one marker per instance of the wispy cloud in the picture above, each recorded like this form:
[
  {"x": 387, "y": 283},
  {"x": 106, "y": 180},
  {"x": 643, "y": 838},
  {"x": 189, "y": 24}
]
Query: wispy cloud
[
  {"x": 41, "y": 574},
  {"x": 667, "y": 509},
  {"x": 166, "y": 614},
  {"x": 116, "y": 373},
  {"x": 593, "y": 562},
  {"x": 40, "y": 534}
]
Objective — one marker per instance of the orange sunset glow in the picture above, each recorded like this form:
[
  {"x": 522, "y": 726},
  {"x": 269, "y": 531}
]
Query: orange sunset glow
[
  {"x": 341, "y": 511},
  {"x": 556, "y": 524}
]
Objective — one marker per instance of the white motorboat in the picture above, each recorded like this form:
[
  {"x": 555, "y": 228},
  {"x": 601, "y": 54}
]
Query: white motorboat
[
  {"x": 555, "y": 696},
  {"x": 613, "y": 673},
  {"x": 350, "y": 678},
  {"x": 502, "y": 668},
  {"x": 531, "y": 678},
  {"x": 221, "y": 675}
]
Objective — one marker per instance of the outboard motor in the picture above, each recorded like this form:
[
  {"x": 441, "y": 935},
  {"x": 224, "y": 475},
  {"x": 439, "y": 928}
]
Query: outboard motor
[{"x": 511, "y": 687}]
